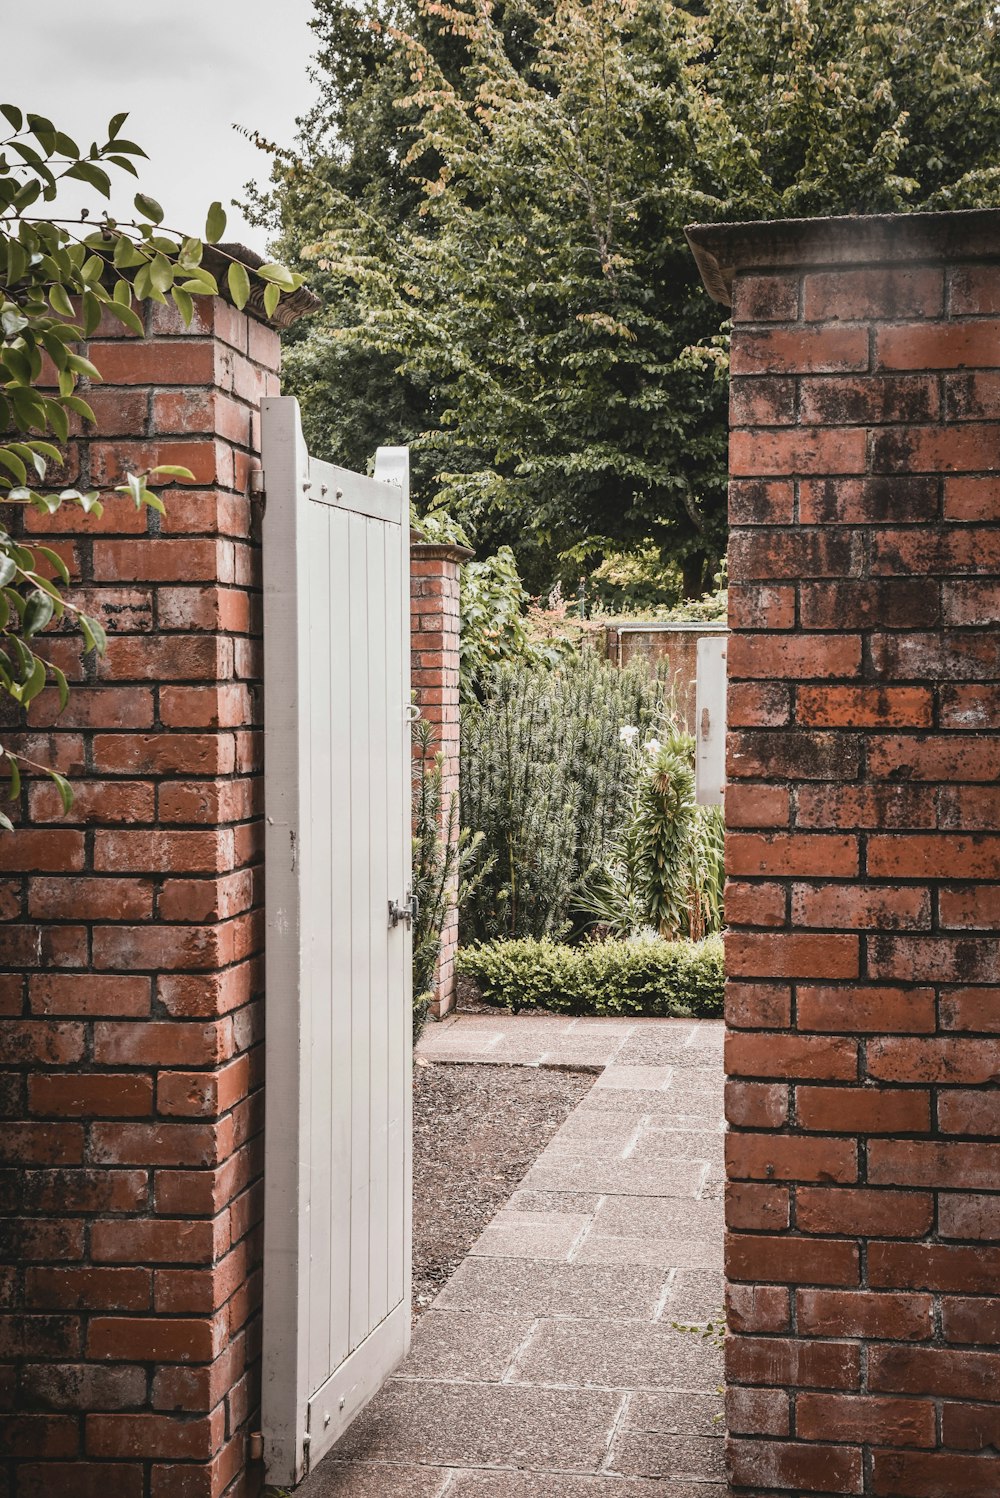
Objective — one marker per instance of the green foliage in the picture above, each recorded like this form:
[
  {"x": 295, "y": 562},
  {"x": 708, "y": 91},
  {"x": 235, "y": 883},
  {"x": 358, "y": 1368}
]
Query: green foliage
[
  {"x": 666, "y": 869},
  {"x": 494, "y": 199},
  {"x": 494, "y": 629},
  {"x": 58, "y": 278},
  {"x": 643, "y": 975},
  {"x": 547, "y": 781},
  {"x": 446, "y": 865}
]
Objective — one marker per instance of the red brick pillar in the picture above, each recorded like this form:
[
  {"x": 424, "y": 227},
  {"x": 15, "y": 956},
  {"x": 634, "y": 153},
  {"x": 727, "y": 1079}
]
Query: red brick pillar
[
  {"x": 435, "y": 626},
  {"x": 864, "y": 854},
  {"x": 132, "y": 1015}
]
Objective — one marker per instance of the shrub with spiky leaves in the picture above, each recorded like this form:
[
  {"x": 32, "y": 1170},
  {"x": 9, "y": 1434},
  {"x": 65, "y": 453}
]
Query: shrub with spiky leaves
[{"x": 547, "y": 780}]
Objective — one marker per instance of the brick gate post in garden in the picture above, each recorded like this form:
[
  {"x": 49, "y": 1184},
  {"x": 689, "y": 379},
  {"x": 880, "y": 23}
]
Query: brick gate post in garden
[
  {"x": 863, "y": 854},
  {"x": 131, "y": 999},
  {"x": 434, "y": 642}
]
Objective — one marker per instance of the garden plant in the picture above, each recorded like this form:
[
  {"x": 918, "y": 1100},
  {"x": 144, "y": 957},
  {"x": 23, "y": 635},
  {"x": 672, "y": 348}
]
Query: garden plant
[{"x": 59, "y": 278}]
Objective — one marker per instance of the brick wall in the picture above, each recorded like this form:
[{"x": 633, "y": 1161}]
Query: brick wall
[
  {"x": 130, "y": 1002},
  {"x": 434, "y": 640},
  {"x": 863, "y": 854}
]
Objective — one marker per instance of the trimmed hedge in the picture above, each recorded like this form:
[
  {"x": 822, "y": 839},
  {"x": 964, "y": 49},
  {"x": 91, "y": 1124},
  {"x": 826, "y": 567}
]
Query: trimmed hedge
[{"x": 645, "y": 976}]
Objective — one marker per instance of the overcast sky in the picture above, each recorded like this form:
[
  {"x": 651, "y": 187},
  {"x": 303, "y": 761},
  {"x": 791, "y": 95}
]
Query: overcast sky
[{"x": 186, "y": 73}]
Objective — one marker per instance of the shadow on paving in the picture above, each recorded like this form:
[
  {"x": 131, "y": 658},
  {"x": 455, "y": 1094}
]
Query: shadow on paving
[{"x": 549, "y": 1366}]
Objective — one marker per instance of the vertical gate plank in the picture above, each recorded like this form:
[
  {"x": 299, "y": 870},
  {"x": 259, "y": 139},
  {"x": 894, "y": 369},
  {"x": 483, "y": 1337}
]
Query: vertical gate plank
[
  {"x": 335, "y": 1221},
  {"x": 360, "y": 930},
  {"x": 316, "y": 901},
  {"x": 399, "y": 1061},
  {"x": 382, "y": 882}
]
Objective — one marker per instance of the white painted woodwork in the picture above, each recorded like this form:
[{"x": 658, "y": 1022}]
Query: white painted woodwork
[
  {"x": 710, "y": 721},
  {"x": 337, "y": 1186}
]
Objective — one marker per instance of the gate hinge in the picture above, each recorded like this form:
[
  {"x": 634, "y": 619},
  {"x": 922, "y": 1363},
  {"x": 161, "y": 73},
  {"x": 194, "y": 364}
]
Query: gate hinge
[
  {"x": 258, "y": 482},
  {"x": 407, "y": 913}
]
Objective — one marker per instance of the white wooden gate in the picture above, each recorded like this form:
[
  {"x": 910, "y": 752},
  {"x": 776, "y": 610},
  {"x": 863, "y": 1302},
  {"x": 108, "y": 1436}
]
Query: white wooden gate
[{"x": 338, "y": 1007}]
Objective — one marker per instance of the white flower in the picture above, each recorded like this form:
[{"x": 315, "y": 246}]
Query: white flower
[
  {"x": 652, "y": 746},
  {"x": 628, "y": 734}
]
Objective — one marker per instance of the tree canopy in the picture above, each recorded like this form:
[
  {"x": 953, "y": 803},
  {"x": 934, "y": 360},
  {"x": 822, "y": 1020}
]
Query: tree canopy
[{"x": 491, "y": 201}]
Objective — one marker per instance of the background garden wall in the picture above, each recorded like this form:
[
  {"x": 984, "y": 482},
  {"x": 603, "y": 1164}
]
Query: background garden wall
[
  {"x": 863, "y": 809},
  {"x": 435, "y": 627}
]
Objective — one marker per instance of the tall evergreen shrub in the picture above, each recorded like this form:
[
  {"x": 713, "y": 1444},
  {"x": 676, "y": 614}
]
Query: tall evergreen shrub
[{"x": 547, "y": 780}]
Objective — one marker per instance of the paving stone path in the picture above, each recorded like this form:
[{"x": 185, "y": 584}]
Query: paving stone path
[{"x": 548, "y": 1366}]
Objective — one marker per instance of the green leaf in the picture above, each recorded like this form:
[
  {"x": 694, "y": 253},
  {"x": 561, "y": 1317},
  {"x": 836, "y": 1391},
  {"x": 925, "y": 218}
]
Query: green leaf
[
  {"x": 61, "y": 685},
  {"x": 38, "y": 612},
  {"x": 61, "y": 783},
  {"x": 204, "y": 284},
  {"x": 12, "y": 115},
  {"x": 77, "y": 404},
  {"x": 126, "y": 316},
  {"x": 55, "y": 560},
  {"x": 124, "y": 163},
  {"x": 57, "y": 418},
  {"x": 15, "y": 778},
  {"x": 115, "y": 124},
  {"x": 134, "y": 485},
  {"x": 8, "y": 569},
  {"x": 183, "y": 303},
  {"x": 60, "y": 302},
  {"x": 10, "y": 460},
  {"x": 83, "y": 366},
  {"x": 280, "y": 274},
  {"x": 239, "y": 284},
  {"x": 215, "y": 223},
  {"x": 172, "y": 470},
  {"x": 127, "y": 254},
  {"x": 148, "y": 207},
  {"x": 161, "y": 272},
  {"x": 86, "y": 171},
  {"x": 93, "y": 634},
  {"x": 272, "y": 296}
]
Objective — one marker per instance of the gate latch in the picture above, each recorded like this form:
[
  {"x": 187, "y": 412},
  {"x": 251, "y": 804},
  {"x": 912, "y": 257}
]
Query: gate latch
[{"x": 407, "y": 913}]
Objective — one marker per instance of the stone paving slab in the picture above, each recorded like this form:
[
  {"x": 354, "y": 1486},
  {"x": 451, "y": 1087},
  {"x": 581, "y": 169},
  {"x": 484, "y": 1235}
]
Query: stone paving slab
[
  {"x": 510, "y": 1287},
  {"x": 457, "y": 1345},
  {"x": 549, "y": 1365},
  {"x": 611, "y": 1355},
  {"x": 337, "y": 1479},
  {"x": 497, "y": 1484},
  {"x": 658, "y": 1217},
  {"x": 662, "y": 1252},
  {"x": 466, "y": 1424},
  {"x": 695, "y": 1295},
  {"x": 560, "y": 1171},
  {"x": 531, "y": 1235},
  {"x": 640, "y": 1453}
]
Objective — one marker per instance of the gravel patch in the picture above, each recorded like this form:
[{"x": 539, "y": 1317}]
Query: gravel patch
[{"x": 476, "y": 1132}]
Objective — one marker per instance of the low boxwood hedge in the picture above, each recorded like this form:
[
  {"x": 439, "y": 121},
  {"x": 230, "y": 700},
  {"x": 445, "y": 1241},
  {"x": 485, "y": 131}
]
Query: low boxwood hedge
[{"x": 644, "y": 975}]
